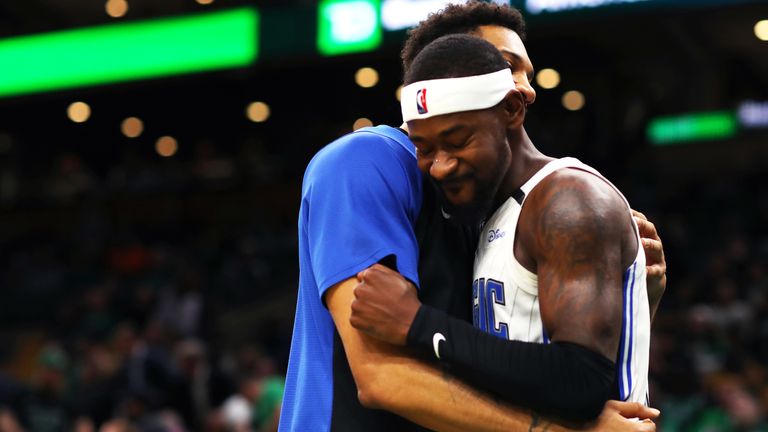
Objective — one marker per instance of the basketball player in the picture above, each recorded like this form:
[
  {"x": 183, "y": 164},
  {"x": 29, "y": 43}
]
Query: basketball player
[
  {"x": 359, "y": 202},
  {"x": 560, "y": 306},
  {"x": 504, "y": 27}
]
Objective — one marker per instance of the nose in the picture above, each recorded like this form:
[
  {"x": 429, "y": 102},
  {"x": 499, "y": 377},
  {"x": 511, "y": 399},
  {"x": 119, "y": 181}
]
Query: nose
[
  {"x": 530, "y": 93},
  {"x": 525, "y": 87},
  {"x": 443, "y": 166}
]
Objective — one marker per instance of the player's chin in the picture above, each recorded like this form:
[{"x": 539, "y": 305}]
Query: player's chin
[
  {"x": 458, "y": 200},
  {"x": 459, "y": 194},
  {"x": 465, "y": 210}
]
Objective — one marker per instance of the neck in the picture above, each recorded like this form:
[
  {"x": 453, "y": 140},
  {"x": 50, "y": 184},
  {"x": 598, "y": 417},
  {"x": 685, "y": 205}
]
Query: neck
[{"x": 527, "y": 160}]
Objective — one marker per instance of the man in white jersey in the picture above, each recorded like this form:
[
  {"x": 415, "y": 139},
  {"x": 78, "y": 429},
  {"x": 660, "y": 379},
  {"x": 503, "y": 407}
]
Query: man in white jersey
[{"x": 560, "y": 271}]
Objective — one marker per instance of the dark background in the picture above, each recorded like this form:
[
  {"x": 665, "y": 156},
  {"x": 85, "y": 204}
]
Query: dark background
[{"x": 114, "y": 259}]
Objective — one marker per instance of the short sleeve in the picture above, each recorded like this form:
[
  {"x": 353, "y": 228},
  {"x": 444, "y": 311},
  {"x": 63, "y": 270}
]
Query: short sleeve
[{"x": 360, "y": 200}]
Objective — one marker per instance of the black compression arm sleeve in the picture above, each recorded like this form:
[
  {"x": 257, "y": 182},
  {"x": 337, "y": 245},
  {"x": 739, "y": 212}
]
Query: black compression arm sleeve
[{"x": 561, "y": 379}]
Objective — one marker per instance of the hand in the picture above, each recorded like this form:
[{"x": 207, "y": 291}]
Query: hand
[
  {"x": 622, "y": 416},
  {"x": 385, "y": 304},
  {"x": 656, "y": 265}
]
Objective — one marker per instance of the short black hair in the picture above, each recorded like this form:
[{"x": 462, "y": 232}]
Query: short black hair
[
  {"x": 460, "y": 18},
  {"x": 439, "y": 59}
]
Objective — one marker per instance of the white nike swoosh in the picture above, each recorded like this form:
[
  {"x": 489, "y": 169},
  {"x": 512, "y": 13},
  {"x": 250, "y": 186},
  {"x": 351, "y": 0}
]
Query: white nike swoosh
[{"x": 436, "y": 343}]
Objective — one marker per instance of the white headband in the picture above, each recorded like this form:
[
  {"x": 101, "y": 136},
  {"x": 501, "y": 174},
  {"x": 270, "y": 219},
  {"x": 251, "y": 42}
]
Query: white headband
[{"x": 424, "y": 99}]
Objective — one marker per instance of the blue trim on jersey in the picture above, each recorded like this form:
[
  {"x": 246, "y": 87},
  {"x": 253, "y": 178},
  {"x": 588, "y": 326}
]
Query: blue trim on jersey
[
  {"x": 360, "y": 199},
  {"x": 631, "y": 328},
  {"x": 624, "y": 363},
  {"x": 620, "y": 360}
]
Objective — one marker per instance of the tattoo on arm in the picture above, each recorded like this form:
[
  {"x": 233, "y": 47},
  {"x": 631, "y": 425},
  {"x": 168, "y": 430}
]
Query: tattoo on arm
[
  {"x": 579, "y": 236},
  {"x": 568, "y": 234}
]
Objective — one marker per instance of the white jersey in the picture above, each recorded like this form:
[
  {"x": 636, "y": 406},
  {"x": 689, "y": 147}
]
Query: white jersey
[{"x": 505, "y": 294}]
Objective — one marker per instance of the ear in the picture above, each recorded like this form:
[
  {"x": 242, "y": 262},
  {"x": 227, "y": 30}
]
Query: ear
[{"x": 514, "y": 107}]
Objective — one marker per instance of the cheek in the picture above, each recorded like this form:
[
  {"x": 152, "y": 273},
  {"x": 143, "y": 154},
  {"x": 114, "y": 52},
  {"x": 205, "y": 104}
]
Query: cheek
[
  {"x": 424, "y": 164},
  {"x": 498, "y": 158}
]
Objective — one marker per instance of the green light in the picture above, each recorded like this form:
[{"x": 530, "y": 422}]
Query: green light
[
  {"x": 128, "y": 51},
  {"x": 692, "y": 127},
  {"x": 348, "y": 26}
]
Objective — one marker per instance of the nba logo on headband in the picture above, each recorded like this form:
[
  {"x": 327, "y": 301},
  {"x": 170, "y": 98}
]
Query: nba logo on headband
[
  {"x": 451, "y": 95},
  {"x": 421, "y": 101}
]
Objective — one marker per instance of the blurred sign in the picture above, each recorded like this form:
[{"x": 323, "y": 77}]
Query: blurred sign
[
  {"x": 539, "y": 6},
  {"x": 753, "y": 114},
  {"x": 128, "y": 51},
  {"x": 348, "y": 26},
  {"x": 402, "y": 14},
  {"x": 692, "y": 127}
]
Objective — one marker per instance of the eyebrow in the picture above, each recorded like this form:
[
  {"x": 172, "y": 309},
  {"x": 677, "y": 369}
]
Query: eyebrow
[
  {"x": 451, "y": 130},
  {"x": 444, "y": 133},
  {"x": 519, "y": 59}
]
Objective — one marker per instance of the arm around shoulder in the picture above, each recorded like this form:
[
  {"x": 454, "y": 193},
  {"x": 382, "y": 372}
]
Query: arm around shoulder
[{"x": 387, "y": 378}]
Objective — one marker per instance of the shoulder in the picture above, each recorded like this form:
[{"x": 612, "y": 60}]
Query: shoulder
[
  {"x": 574, "y": 204},
  {"x": 370, "y": 164},
  {"x": 578, "y": 193},
  {"x": 380, "y": 145}
]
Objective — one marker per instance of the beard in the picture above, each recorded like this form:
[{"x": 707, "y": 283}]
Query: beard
[{"x": 473, "y": 213}]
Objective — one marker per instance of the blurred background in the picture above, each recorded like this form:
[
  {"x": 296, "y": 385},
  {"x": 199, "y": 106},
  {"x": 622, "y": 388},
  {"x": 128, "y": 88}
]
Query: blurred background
[{"x": 151, "y": 155}]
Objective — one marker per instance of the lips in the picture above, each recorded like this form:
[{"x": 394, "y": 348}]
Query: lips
[{"x": 453, "y": 187}]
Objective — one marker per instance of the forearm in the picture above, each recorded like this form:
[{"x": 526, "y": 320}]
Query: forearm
[
  {"x": 434, "y": 399},
  {"x": 387, "y": 378},
  {"x": 562, "y": 379}
]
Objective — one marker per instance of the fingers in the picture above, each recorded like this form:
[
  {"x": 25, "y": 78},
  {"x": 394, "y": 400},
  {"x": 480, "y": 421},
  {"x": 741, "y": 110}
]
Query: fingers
[
  {"x": 354, "y": 318},
  {"x": 656, "y": 266},
  {"x": 653, "y": 246},
  {"x": 360, "y": 311},
  {"x": 378, "y": 274},
  {"x": 656, "y": 271},
  {"x": 638, "y": 215},
  {"x": 633, "y": 409},
  {"x": 654, "y": 251},
  {"x": 648, "y": 412},
  {"x": 356, "y": 291},
  {"x": 361, "y": 275},
  {"x": 647, "y": 229},
  {"x": 357, "y": 315},
  {"x": 646, "y": 426}
]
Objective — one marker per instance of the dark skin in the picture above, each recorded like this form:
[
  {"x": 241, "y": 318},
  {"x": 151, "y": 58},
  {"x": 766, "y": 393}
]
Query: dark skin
[
  {"x": 575, "y": 231},
  {"x": 576, "y": 234}
]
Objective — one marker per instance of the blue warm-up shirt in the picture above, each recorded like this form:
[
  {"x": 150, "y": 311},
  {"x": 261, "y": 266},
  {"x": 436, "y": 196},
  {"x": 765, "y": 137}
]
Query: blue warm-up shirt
[{"x": 360, "y": 199}]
